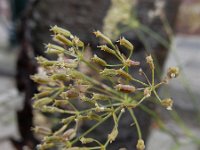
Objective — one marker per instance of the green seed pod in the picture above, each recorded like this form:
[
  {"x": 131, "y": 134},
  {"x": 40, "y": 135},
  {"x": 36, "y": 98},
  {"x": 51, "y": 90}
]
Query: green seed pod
[
  {"x": 41, "y": 102},
  {"x": 52, "y": 139},
  {"x": 107, "y": 49},
  {"x": 45, "y": 146},
  {"x": 41, "y": 95},
  {"x": 105, "y": 38},
  {"x": 99, "y": 61},
  {"x": 69, "y": 134},
  {"x": 45, "y": 62},
  {"x": 42, "y": 130},
  {"x": 68, "y": 120},
  {"x": 54, "y": 49},
  {"x": 76, "y": 41},
  {"x": 97, "y": 96},
  {"x": 39, "y": 79},
  {"x": 60, "y": 76},
  {"x": 86, "y": 140},
  {"x": 62, "y": 39},
  {"x": 60, "y": 103},
  {"x": 108, "y": 72},
  {"x": 58, "y": 30},
  {"x": 113, "y": 135},
  {"x": 124, "y": 74},
  {"x": 51, "y": 109},
  {"x": 124, "y": 42}
]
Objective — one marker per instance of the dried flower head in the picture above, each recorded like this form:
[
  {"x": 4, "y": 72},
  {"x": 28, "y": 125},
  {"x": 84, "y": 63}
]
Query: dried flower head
[
  {"x": 173, "y": 72},
  {"x": 76, "y": 97},
  {"x": 149, "y": 60},
  {"x": 140, "y": 145},
  {"x": 167, "y": 103}
]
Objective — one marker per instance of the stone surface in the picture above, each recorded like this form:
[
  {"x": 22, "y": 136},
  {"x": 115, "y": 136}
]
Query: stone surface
[
  {"x": 185, "y": 92},
  {"x": 185, "y": 54}
]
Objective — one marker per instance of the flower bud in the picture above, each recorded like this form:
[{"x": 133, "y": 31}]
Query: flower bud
[
  {"x": 69, "y": 134},
  {"x": 51, "y": 109},
  {"x": 106, "y": 49},
  {"x": 124, "y": 42},
  {"x": 62, "y": 39},
  {"x": 147, "y": 92},
  {"x": 149, "y": 60},
  {"x": 140, "y": 145},
  {"x": 40, "y": 79},
  {"x": 41, "y": 102},
  {"x": 124, "y": 74},
  {"x": 52, "y": 139},
  {"x": 113, "y": 135},
  {"x": 167, "y": 103},
  {"x": 54, "y": 49},
  {"x": 42, "y": 130},
  {"x": 60, "y": 103},
  {"x": 130, "y": 63},
  {"x": 125, "y": 88},
  {"x": 173, "y": 72},
  {"x": 60, "y": 76},
  {"x": 72, "y": 93},
  {"x": 76, "y": 41},
  {"x": 41, "y": 95},
  {"x": 58, "y": 30},
  {"x": 97, "y": 96},
  {"x": 86, "y": 140},
  {"x": 98, "y": 60},
  {"x": 45, "y": 146},
  {"x": 105, "y": 38},
  {"x": 108, "y": 72}
]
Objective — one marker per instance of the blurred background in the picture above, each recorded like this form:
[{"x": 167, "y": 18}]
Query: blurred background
[{"x": 168, "y": 29}]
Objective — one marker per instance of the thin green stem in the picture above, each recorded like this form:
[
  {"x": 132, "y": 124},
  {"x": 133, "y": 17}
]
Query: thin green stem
[{"x": 136, "y": 123}]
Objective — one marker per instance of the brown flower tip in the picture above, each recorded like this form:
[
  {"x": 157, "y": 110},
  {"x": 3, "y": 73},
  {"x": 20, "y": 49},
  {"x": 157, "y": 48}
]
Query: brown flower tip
[{"x": 125, "y": 88}]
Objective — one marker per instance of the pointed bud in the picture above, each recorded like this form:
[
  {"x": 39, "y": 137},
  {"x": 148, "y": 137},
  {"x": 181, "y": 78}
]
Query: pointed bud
[
  {"x": 149, "y": 60},
  {"x": 62, "y": 39},
  {"x": 125, "y": 88},
  {"x": 113, "y": 135},
  {"x": 105, "y": 38},
  {"x": 59, "y": 30},
  {"x": 107, "y": 49},
  {"x": 124, "y": 74},
  {"x": 130, "y": 63},
  {"x": 124, "y": 42},
  {"x": 99, "y": 61},
  {"x": 167, "y": 103}
]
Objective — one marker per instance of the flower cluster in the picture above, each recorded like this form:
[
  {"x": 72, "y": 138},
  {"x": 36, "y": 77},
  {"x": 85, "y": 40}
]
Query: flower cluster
[{"x": 63, "y": 88}]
